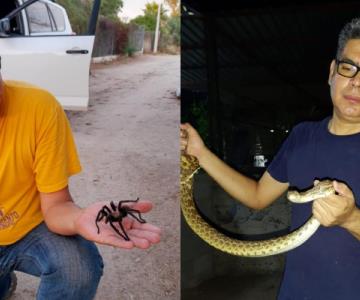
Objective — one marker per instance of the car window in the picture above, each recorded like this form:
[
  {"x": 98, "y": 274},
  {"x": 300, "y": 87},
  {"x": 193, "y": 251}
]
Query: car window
[
  {"x": 39, "y": 19},
  {"x": 57, "y": 17},
  {"x": 7, "y": 7},
  {"x": 16, "y": 26}
]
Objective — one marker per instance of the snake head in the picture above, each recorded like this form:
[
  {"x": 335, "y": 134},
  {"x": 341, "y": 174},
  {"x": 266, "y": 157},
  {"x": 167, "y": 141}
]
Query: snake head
[{"x": 321, "y": 189}]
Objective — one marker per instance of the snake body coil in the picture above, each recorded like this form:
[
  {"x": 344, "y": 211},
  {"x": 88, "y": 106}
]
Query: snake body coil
[{"x": 189, "y": 166}]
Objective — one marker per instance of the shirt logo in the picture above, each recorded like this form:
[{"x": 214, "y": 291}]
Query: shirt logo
[{"x": 7, "y": 220}]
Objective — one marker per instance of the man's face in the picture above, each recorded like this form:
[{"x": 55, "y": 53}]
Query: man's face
[{"x": 345, "y": 92}]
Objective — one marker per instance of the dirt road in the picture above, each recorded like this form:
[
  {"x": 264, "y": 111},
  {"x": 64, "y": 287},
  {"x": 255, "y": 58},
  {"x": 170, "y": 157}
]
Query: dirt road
[{"x": 128, "y": 145}]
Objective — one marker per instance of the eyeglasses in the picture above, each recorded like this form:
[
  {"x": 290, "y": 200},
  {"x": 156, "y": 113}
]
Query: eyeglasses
[{"x": 346, "y": 69}]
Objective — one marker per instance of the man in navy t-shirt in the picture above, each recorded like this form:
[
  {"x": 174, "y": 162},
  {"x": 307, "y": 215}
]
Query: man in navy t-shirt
[{"x": 327, "y": 266}]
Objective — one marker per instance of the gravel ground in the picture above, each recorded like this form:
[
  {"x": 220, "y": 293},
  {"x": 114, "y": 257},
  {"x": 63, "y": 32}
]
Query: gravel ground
[{"x": 128, "y": 146}]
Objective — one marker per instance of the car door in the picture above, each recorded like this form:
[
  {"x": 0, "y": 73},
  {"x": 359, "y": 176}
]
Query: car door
[{"x": 42, "y": 49}]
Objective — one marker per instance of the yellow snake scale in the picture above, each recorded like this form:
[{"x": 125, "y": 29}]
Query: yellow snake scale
[{"x": 189, "y": 166}]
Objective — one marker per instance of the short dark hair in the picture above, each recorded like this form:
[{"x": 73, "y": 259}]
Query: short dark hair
[{"x": 350, "y": 31}]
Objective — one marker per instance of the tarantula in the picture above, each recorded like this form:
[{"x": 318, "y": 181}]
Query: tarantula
[{"x": 116, "y": 214}]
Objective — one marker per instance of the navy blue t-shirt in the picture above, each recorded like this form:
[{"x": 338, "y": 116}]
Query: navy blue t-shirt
[{"x": 327, "y": 266}]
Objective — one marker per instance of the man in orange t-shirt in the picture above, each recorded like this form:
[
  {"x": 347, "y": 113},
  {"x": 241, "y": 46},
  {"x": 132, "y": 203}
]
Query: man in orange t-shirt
[{"x": 42, "y": 231}]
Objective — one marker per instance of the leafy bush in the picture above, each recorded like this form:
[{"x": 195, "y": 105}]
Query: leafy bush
[
  {"x": 170, "y": 35},
  {"x": 79, "y": 12},
  {"x": 129, "y": 50}
]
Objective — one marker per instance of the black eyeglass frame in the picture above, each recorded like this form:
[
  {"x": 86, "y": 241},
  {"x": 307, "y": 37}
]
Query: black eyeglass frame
[{"x": 338, "y": 62}]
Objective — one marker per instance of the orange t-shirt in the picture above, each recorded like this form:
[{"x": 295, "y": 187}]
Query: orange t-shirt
[{"x": 37, "y": 154}]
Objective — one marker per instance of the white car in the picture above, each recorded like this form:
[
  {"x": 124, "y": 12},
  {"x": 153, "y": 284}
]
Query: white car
[{"x": 37, "y": 45}]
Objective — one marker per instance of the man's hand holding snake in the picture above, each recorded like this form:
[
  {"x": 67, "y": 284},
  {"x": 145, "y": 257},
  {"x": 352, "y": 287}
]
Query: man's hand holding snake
[
  {"x": 338, "y": 209},
  {"x": 190, "y": 141}
]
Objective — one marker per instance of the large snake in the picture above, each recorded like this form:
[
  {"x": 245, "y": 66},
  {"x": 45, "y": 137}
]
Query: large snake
[{"x": 189, "y": 166}]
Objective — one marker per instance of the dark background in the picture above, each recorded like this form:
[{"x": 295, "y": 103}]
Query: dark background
[
  {"x": 252, "y": 70},
  {"x": 257, "y": 66}
]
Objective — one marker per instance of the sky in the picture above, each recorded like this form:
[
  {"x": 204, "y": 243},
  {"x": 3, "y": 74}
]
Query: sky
[{"x": 133, "y": 8}]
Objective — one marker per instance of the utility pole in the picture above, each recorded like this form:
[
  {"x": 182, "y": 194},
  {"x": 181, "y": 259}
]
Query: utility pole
[{"x": 157, "y": 29}]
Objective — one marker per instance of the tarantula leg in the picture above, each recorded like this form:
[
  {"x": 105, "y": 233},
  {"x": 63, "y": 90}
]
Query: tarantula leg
[
  {"x": 99, "y": 217},
  {"x": 127, "y": 201},
  {"x": 104, "y": 212},
  {"x": 105, "y": 209},
  {"x": 113, "y": 206},
  {"x": 124, "y": 236},
  {"x": 138, "y": 218},
  {"x": 122, "y": 228}
]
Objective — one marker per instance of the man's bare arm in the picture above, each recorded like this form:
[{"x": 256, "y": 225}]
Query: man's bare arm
[
  {"x": 60, "y": 212},
  {"x": 63, "y": 217},
  {"x": 256, "y": 195},
  {"x": 353, "y": 223}
]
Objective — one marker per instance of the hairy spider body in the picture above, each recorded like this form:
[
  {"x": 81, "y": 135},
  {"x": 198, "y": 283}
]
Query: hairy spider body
[{"x": 116, "y": 213}]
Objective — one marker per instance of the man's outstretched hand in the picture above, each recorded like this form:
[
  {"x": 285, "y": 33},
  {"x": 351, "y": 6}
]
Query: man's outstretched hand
[{"x": 141, "y": 235}]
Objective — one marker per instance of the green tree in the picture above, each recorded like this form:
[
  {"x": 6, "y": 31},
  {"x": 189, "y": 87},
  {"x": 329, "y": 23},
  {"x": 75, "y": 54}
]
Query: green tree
[
  {"x": 110, "y": 8},
  {"x": 172, "y": 29},
  {"x": 170, "y": 36},
  {"x": 148, "y": 19},
  {"x": 151, "y": 8},
  {"x": 174, "y": 7},
  {"x": 78, "y": 12}
]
